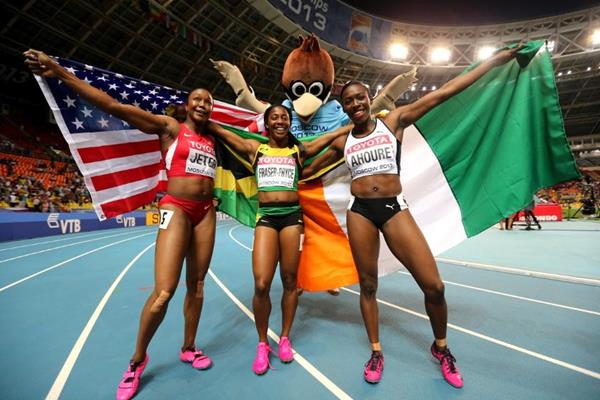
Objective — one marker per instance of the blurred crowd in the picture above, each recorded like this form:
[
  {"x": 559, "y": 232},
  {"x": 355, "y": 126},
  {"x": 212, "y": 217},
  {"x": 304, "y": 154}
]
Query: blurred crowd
[
  {"x": 27, "y": 192},
  {"x": 573, "y": 192}
]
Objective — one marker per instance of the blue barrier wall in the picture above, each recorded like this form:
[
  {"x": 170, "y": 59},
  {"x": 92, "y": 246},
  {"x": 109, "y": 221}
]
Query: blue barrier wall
[{"x": 26, "y": 225}]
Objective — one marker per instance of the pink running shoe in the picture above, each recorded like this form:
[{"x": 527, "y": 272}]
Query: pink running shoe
[
  {"x": 131, "y": 380},
  {"x": 196, "y": 358},
  {"x": 374, "y": 367},
  {"x": 286, "y": 354},
  {"x": 449, "y": 370},
  {"x": 261, "y": 362}
]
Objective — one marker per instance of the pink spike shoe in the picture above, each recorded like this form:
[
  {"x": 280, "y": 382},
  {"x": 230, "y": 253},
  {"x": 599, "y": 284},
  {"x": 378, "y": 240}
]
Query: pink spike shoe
[
  {"x": 449, "y": 369},
  {"x": 374, "y": 367},
  {"x": 131, "y": 380},
  {"x": 286, "y": 354},
  {"x": 261, "y": 362},
  {"x": 196, "y": 358}
]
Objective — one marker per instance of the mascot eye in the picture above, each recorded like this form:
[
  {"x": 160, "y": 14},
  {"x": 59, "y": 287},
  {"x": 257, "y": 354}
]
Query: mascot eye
[
  {"x": 316, "y": 89},
  {"x": 298, "y": 89}
]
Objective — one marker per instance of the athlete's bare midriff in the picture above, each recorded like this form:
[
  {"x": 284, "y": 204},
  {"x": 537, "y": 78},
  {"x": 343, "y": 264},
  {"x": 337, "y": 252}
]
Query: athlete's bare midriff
[
  {"x": 191, "y": 188},
  {"x": 376, "y": 186},
  {"x": 281, "y": 196}
]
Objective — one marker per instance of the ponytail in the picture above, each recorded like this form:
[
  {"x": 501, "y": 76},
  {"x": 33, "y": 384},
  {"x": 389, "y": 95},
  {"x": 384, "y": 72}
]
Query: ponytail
[{"x": 293, "y": 140}]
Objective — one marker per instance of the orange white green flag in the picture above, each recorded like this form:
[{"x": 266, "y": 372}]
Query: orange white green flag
[{"x": 476, "y": 158}]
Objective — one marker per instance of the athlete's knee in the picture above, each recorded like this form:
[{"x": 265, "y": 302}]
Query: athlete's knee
[
  {"x": 196, "y": 289},
  {"x": 289, "y": 281},
  {"x": 262, "y": 288},
  {"x": 161, "y": 300},
  {"x": 435, "y": 293},
  {"x": 368, "y": 286}
]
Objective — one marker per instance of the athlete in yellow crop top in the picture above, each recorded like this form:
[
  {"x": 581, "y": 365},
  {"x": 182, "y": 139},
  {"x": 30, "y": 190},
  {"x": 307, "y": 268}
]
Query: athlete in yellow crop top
[{"x": 277, "y": 237}]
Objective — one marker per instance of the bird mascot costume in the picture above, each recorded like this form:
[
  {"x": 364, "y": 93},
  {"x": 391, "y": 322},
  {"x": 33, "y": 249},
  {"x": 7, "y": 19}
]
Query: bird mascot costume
[{"x": 307, "y": 80}]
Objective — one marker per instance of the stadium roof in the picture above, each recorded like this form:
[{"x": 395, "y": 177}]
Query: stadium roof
[
  {"x": 469, "y": 12},
  {"x": 170, "y": 42}
]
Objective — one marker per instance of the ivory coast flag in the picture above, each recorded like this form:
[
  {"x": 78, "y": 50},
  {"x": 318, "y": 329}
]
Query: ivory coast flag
[{"x": 476, "y": 158}]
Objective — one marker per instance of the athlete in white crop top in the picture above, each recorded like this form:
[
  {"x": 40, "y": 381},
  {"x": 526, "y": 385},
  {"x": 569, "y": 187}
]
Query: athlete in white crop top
[
  {"x": 374, "y": 154},
  {"x": 377, "y": 205}
]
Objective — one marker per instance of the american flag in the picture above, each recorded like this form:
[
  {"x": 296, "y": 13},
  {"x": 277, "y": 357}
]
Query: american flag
[{"x": 122, "y": 166}]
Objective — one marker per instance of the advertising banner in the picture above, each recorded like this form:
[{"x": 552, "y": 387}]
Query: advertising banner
[
  {"x": 340, "y": 25},
  {"x": 27, "y": 225},
  {"x": 544, "y": 213}
]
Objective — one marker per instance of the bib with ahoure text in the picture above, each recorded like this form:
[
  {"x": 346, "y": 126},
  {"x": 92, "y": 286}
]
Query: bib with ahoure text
[{"x": 377, "y": 153}]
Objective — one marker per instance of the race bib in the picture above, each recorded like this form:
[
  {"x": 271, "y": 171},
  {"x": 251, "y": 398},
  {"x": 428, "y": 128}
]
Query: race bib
[
  {"x": 201, "y": 163},
  {"x": 276, "y": 171},
  {"x": 165, "y": 218},
  {"x": 373, "y": 156}
]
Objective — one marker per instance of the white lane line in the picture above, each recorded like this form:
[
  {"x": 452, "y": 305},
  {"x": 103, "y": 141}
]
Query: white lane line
[
  {"x": 551, "y": 360},
  {"x": 488, "y": 338},
  {"x": 50, "y": 241},
  {"x": 318, "y": 375},
  {"x": 69, "y": 260},
  {"x": 230, "y": 233},
  {"x": 304, "y": 363},
  {"x": 583, "y": 310},
  {"x": 63, "y": 246},
  {"x": 520, "y": 271},
  {"x": 65, "y": 371}
]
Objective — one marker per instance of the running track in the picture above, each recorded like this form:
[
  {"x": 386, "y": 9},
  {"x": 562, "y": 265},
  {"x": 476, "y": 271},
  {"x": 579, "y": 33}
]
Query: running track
[{"x": 524, "y": 314}]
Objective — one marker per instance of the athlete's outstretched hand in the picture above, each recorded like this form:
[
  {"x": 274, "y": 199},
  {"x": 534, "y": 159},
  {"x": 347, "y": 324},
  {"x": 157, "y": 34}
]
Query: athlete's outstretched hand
[
  {"x": 504, "y": 56},
  {"x": 40, "y": 64}
]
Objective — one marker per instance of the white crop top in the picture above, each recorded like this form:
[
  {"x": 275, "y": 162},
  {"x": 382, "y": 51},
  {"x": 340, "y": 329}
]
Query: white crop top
[{"x": 377, "y": 153}]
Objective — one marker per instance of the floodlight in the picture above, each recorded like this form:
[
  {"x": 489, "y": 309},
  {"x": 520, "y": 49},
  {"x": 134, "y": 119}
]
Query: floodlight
[
  {"x": 485, "y": 52},
  {"x": 398, "y": 51},
  {"x": 596, "y": 37},
  {"x": 440, "y": 55}
]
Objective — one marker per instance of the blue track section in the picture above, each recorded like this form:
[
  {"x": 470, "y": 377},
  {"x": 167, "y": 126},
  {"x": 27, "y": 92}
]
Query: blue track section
[{"x": 507, "y": 347}]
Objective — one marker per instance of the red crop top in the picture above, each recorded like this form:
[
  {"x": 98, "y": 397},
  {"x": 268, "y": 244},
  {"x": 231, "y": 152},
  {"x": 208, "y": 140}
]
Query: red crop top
[{"x": 191, "y": 154}]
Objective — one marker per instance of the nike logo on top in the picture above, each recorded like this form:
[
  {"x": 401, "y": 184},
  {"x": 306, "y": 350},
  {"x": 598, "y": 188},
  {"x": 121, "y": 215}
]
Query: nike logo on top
[{"x": 187, "y": 135}]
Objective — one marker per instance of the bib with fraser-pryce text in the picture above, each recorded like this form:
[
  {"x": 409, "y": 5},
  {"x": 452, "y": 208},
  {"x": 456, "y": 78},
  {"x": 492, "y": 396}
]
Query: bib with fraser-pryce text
[{"x": 276, "y": 168}]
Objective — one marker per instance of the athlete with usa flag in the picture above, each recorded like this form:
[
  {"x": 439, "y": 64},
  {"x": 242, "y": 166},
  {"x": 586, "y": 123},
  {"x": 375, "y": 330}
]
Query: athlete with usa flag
[{"x": 187, "y": 215}]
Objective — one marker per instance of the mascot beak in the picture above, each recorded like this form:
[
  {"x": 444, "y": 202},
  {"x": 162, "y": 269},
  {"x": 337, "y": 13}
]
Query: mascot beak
[{"x": 306, "y": 105}]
